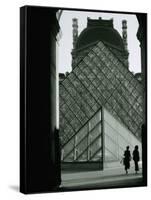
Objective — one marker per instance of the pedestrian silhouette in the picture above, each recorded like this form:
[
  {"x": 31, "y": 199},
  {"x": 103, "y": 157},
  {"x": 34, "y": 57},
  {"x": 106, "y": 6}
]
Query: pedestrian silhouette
[
  {"x": 127, "y": 158},
  {"x": 136, "y": 158}
]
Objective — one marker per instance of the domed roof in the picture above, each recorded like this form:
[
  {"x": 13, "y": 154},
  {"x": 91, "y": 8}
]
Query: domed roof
[{"x": 100, "y": 30}]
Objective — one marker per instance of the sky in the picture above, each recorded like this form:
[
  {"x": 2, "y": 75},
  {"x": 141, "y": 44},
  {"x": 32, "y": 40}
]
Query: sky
[{"x": 65, "y": 42}]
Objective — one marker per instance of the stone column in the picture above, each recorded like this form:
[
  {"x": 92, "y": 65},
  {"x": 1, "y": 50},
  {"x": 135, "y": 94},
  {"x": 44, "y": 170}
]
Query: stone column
[
  {"x": 39, "y": 140},
  {"x": 142, "y": 37}
]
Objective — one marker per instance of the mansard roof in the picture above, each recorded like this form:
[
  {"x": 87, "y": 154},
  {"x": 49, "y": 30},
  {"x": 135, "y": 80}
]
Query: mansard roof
[{"x": 99, "y": 30}]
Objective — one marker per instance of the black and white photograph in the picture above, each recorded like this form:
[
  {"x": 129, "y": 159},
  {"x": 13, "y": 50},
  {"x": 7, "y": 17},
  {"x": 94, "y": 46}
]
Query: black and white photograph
[
  {"x": 75, "y": 100},
  {"x": 101, "y": 99},
  {"x": 83, "y": 99}
]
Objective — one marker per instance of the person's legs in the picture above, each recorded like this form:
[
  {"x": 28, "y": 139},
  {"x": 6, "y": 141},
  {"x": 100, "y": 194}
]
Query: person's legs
[
  {"x": 136, "y": 167},
  {"x": 126, "y": 169}
]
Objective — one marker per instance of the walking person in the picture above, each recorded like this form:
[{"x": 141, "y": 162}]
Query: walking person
[
  {"x": 136, "y": 158},
  {"x": 127, "y": 158}
]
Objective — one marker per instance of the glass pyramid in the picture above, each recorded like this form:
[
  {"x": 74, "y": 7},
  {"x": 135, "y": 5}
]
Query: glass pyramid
[{"x": 99, "y": 80}]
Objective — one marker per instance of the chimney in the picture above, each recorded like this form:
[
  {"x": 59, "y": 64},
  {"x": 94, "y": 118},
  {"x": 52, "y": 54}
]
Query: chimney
[
  {"x": 75, "y": 31},
  {"x": 124, "y": 33}
]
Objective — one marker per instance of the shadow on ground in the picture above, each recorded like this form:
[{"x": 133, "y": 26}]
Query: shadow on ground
[{"x": 14, "y": 187}]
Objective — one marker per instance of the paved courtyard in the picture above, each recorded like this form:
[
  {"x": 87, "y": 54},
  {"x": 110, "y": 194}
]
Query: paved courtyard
[{"x": 111, "y": 177}]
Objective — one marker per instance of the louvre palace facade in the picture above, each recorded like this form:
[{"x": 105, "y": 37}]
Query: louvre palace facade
[{"x": 100, "y": 100}]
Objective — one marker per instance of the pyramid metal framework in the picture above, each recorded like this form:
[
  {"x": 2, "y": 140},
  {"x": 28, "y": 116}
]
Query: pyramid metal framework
[{"x": 99, "y": 80}]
